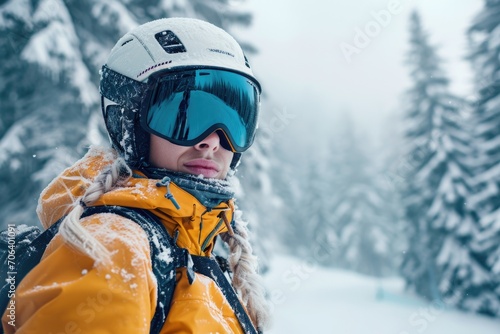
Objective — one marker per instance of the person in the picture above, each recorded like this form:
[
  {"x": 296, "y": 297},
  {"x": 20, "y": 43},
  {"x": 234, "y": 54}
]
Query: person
[{"x": 181, "y": 104}]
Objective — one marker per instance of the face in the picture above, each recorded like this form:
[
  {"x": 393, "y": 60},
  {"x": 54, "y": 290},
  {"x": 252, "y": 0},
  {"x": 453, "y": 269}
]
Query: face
[{"x": 207, "y": 158}]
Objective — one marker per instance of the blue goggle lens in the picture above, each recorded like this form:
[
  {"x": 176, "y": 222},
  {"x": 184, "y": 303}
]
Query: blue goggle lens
[{"x": 185, "y": 107}]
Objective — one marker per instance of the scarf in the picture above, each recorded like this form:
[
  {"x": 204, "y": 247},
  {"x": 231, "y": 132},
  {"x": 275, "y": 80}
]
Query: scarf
[{"x": 210, "y": 192}]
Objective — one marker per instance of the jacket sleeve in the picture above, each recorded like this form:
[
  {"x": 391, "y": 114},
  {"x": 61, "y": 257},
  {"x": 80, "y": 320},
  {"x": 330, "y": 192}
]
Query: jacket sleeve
[{"x": 67, "y": 292}]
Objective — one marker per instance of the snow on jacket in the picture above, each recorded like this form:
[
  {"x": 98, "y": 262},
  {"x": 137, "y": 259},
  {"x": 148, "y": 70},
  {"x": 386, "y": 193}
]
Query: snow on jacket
[{"x": 67, "y": 292}]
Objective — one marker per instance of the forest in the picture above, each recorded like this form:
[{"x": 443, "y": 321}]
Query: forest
[{"x": 426, "y": 209}]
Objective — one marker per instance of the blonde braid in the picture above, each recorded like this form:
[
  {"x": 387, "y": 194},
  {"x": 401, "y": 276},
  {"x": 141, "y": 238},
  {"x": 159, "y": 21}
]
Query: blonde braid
[
  {"x": 72, "y": 231},
  {"x": 246, "y": 279}
]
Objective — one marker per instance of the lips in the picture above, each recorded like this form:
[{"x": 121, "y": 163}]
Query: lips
[{"x": 207, "y": 168}]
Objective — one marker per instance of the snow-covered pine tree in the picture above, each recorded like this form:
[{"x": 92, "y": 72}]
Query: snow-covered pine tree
[
  {"x": 418, "y": 267},
  {"x": 289, "y": 228},
  {"x": 44, "y": 105},
  {"x": 439, "y": 263},
  {"x": 390, "y": 171},
  {"x": 313, "y": 223},
  {"x": 51, "y": 52},
  {"x": 257, "y": 198},
  {"x": 356, "y": 223},
  {"x": 484, "y": 36}
]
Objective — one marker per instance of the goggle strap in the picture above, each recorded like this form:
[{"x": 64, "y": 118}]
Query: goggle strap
[{"x": 121, "y": 89}]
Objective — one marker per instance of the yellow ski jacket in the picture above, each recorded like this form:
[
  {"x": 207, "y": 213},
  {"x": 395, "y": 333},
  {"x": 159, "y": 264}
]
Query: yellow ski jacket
[{"x": 68, "y": 292}]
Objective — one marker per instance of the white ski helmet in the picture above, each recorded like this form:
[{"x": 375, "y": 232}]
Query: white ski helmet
[{"x": 159, "y": 48}]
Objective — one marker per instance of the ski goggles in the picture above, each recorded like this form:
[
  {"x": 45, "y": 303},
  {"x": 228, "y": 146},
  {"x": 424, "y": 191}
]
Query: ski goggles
[{"x": 184, "y": 107}]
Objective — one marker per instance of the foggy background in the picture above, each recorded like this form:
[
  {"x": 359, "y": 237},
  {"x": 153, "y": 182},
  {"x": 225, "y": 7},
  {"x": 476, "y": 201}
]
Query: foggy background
[
  {"x": 301, "y": 65},
  {"x": 377, "y": 152}
]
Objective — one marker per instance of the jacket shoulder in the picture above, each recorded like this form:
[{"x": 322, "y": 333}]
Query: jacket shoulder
[{"x": 67, "y": 286}]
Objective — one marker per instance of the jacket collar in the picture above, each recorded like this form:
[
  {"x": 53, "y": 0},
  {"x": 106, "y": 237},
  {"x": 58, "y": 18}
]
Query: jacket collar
[{"x": 195, "y": 225}]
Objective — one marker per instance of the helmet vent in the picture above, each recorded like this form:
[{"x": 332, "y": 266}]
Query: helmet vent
[
  {"x": 130, "y": 40},
  {"x": 247, "y": 64},
  {"x": 170, "y": 42}
]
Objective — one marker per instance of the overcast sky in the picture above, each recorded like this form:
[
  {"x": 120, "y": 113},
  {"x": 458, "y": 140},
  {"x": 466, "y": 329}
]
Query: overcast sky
[{"x": 304, "y": 70}]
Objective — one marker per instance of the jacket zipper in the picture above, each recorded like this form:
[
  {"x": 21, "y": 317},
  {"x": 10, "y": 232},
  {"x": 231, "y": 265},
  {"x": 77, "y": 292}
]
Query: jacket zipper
[{"x": 211, "y": 234}]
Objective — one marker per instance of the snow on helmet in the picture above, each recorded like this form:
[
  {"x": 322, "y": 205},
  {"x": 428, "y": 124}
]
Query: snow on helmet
[{"x": 165, "y": 45}]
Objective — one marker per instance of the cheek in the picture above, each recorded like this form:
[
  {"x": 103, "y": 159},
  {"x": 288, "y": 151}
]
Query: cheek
[
  {"x": 227, "y": 157},
  {"x": 164, "y": 154}
]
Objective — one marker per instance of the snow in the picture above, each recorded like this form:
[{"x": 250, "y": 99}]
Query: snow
[
  {"x": 309, "y": 299},
  {"x": 114, "y": 13},
  {"x": 165, "y": 254},
  {"x": 51, "y": 10},
  {"x": 15, "y": 10},
  {"x": 126, "y": 275},
  {"x": 484, "y": 195},
  {"x": 11, "y": 142},
  {"x": 492, "y": 144},
  {"x": 55, "y": 48},
  {"x": 494, "y": 40}
]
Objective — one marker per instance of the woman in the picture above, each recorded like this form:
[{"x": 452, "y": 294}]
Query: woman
[{"x": 180, "y": 105}]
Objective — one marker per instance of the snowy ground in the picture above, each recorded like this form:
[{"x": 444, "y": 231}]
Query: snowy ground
[{"x": 310, "y": 299}]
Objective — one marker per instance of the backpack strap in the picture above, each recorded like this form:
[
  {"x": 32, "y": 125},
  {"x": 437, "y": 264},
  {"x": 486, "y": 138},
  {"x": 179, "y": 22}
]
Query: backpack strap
[
  {"x": 209, "y": 267},
  {"x": 30, "y": 244},
  {"x": 165, "y": 255}
]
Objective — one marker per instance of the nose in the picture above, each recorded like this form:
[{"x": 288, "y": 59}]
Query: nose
[{"x": 211, "y": 142}]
